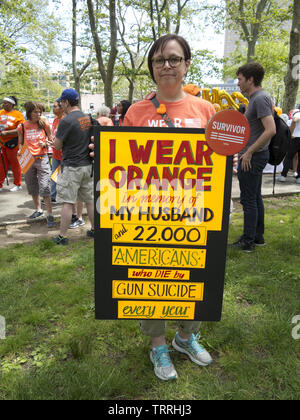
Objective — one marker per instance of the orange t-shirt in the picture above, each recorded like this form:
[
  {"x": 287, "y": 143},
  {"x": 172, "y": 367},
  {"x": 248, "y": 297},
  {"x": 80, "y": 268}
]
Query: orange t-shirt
[
  {"x": 10, "y": 121},
  {"x": 33, "y": 134},
  {"x": 56, "y": 154},
  {"x": 191, "y": 111}
]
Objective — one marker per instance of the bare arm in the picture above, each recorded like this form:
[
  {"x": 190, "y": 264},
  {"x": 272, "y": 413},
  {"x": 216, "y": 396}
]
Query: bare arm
[
  {"x": 21, "y": 140},
  {"x": 13, "y": 132},
  {"x": 50, "y": 137},
  {"x": 293, "y": 125},
  {"x": 270, "y": 130},
  {"x": 58, "y": 144}
]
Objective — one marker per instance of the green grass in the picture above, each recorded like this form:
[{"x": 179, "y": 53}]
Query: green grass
[{"x": 55, "y": 350}]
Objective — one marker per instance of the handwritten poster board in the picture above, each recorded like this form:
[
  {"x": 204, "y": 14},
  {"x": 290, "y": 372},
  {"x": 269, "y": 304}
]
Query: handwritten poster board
[{"x": 162, "y": 200}]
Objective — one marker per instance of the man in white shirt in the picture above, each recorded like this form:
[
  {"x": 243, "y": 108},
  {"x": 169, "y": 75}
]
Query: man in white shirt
[{"x": 295, "y": 147}]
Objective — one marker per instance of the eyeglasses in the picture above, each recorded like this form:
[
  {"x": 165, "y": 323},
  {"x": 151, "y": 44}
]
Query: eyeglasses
[{"x": 160, "y": 62}]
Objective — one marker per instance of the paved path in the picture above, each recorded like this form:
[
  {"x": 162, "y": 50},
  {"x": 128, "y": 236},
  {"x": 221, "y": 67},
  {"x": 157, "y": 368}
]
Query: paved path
[
  {"x": 16, "y": 207},
  {"x": 14, "y": 225}
]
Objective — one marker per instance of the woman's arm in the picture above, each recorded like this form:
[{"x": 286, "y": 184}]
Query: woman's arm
[
  {"x": 49, "y": 135},
  {"x": 20, "y": 138}
]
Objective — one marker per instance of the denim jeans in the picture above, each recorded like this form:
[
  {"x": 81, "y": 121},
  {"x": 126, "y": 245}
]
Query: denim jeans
[
  {"x": 251, "y": 199},
  {"x": 288, "y": 161},
  {"x": 55, "y": 165}
]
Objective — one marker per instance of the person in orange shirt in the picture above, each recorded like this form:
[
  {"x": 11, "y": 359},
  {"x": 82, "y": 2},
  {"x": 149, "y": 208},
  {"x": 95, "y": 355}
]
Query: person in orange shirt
[
  {"x": 168, "y": 61},
  {"x": 186, "y": 111},
  {"x": 36, "y": 134},
  {"x": 10, "y": 118},
  {"x": 103, "y": 116}
]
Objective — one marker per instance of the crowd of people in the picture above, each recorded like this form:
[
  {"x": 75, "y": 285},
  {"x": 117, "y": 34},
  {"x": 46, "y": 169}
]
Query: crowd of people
[
  {"x": 38, "y": 135},
  {"x": 72, "y": 185}
]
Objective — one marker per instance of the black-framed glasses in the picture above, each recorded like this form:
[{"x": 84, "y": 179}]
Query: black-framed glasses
[{"x": 160, "y": 62}]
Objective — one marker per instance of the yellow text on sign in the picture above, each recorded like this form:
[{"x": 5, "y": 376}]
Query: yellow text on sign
[
  {"x": 158, "y": 274},
  {"x": 159, "y": 234},
  {"x": 159, "y": 257},
  {"x": 124, "y": 289},
  {"x": 156, "y": 310}
]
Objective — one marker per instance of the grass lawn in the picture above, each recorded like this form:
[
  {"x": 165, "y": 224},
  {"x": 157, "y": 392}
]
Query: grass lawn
[{"x": 54, "y": 349}]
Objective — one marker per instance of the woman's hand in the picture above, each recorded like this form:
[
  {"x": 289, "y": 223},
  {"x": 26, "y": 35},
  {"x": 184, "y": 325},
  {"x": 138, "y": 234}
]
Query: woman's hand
[{"x": 42, "y": 144}]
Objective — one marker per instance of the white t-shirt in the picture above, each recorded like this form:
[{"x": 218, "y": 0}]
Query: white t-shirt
[{"x": 296, "y": 132}]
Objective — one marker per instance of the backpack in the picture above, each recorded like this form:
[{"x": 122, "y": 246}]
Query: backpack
[{"x": 280, "y": 142}]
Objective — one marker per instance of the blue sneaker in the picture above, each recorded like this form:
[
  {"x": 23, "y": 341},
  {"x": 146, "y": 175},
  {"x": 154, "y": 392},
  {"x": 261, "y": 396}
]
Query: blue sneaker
[
  {"x": 163, "y": 367},
  {"x": 50, "y": 221},
  {"x": 192, "y": 348}
]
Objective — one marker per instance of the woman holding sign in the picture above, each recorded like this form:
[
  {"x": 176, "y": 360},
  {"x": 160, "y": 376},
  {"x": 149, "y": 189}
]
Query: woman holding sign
[{"x": 169, "y": 60}]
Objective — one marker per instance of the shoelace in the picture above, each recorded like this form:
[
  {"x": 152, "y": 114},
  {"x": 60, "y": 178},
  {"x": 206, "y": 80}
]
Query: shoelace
[
  {"x": 193, "y": 344},
  {"x": 162, "y": 358}
]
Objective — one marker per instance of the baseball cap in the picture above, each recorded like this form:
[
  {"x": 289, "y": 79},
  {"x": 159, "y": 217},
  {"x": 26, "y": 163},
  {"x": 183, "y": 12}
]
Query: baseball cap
[{"x": 69, "y": 95}]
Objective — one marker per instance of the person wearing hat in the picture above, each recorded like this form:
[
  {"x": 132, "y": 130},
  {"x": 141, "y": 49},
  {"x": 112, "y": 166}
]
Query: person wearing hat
[
  {"x": 10, "y": 119},
  {"x": 75, "y": 182},
  {"x": 294, "y": 123}
]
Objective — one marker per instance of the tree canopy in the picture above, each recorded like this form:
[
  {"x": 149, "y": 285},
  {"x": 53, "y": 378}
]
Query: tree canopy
[{"x": 105, "y": 43}]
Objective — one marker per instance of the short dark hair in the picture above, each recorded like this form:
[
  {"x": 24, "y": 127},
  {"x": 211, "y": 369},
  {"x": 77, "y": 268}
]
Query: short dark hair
[
  {"x": 161, "y": 42},
  {"x": 254, "y": 70},
  {"x": 72, "y": 102}
]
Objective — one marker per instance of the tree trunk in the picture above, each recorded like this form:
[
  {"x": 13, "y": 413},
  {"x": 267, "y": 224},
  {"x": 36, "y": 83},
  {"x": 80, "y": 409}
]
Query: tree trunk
[
  {"x": 107, "y": 74},
  {"x": 251, "y": 50},
  {"x": 74, "y": 49},
  {"x": 130, "y": 90},
  {"x": 113, "y": 52},
  {"x": 291, "y": 79},
  {"x": 77, "y": 72}
]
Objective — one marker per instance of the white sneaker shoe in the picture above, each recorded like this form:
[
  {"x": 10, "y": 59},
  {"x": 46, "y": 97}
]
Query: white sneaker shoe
[
  {"x": 281, "y": 178},
  {"x": 15, "y": 188},
  {"x": 77, "y": 223},
  {"x": 163, "y": 367},
  {"x": 1, "y": 189},
  {"x": 193, "y": 349}
]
